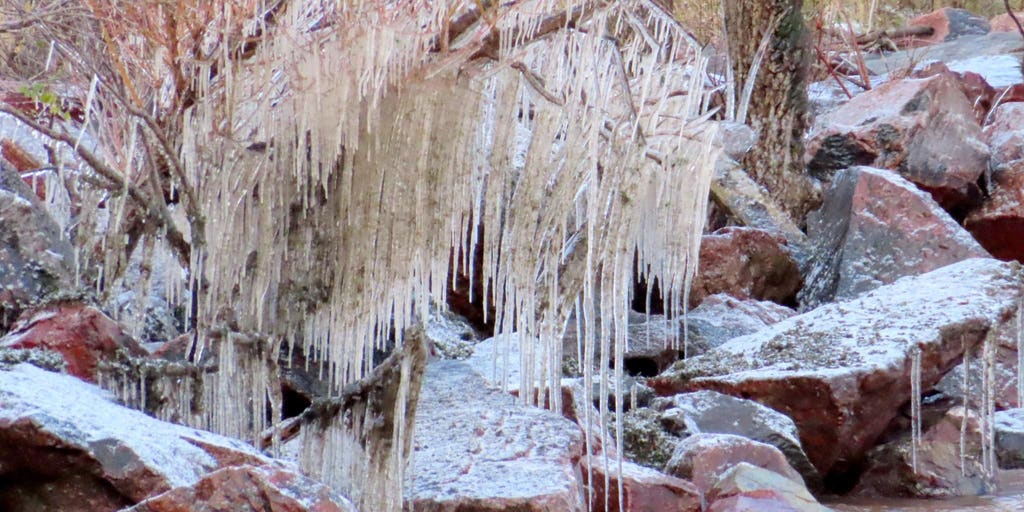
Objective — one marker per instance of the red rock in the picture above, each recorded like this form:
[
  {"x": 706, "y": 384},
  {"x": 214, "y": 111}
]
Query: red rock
[
  {"x": 644, "y": 489},
  {"x": 1004, "y": 133},
  {"x": 745, "y": 263},
  {"x": 874, "y": 228},
  {"x": 974, "y": 86},
  {"x": 842, "y": 371},
  {"x": 925, "y": 129},
  {"x": 748, "y": 488},
  {"x": 998, "y": 225},
  {"x": 82, "y": 334},
  {"x": 265, "y": 488},
  {"x": 704, "y": 458},
  {"x": 1004, "y": 372},
  {"x": 1003, "y": 22},
  {"x": 949, "y": 24}
]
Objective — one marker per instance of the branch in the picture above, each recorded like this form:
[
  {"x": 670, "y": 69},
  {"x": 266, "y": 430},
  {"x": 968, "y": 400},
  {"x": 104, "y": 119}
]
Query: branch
[{"x": 1013, "y": 16}]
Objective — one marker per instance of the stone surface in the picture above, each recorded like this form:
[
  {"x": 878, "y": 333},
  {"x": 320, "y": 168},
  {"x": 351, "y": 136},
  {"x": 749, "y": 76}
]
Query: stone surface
[
  {"x": 1004, "y": 371},
  {"x": 654, "y": 343},
  {"x": 1004, "y": 23},
  {"x": 82, "y": 334},
  {"x": 720, "y": 318},
  {"x": 715, "y": 413},
  {"x": 998, "y": 224},
  {"x": 59, "y": 433},
  {"x": 643, "y": 489},
  {"x": 874, "y": 228},
  {"x": 704, "y": 458},
  {"x": 950, "y": 24},
  {"x": 34, "y": 258},
  {"x": 450, "y": 336},
  {"x": 1004, "y": 133},
  {"x": 266, "y": 488},
  {"x": 842, "y": 371},
  {"x": 1009, "y": 429},
  {"x": 925, "y": 129},
  {"x": 748, "y": 488},
  {"x": 940, "y": 471},
  {"x": 745, "y": 263},
  {"x": 476, "y": 449}
]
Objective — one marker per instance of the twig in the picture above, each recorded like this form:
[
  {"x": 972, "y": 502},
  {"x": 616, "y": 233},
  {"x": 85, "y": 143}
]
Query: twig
[{"x": 1013, "y": 16}]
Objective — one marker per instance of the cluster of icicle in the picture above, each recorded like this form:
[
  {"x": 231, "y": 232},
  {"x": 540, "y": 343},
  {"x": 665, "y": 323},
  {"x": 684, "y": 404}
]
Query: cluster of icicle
[{"x": 341, "y": 166}]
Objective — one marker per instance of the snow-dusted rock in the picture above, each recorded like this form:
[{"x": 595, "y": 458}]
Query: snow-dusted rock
[
  {"x": 1004, "y": 133},
  {"x": 58, "y": 432},
  {"x": 643, "y": 489},
  {"x": 715, "y": 413},
  {"x": 950, "y": 24},
  {"x": 874, "y": 228},
  {"x": 654, "y": 343},
  {"x": 745, "y": 263},
  {"x": 34, "y": 258},
  {"x": 842, "y": 371},
  {"x": 748, "y": 488},
  {"x": 476, "y": 449},
  {"x": 720, "y": 318},
  {"x": 704, "y": 458},
  {"x": 998, "y": 224},
  {"x": 267, "y": 488},
  {"x": 82, "y": 334},
  {"x": 450, "y": 336},
  {"x": 923, "y": 128},
  {"x": 1009, "y": 429}
]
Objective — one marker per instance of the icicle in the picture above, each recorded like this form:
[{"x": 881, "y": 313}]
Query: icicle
[
  {"x": 915, "y": 404},
  {"x": 1019, "y": 328},
  {"x": 965, "y": 389},
  {"x": 988, "y": 405}
]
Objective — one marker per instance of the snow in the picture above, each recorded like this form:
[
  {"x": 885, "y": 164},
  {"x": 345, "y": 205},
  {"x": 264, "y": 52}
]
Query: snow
[{"x": 83, "y": 416}]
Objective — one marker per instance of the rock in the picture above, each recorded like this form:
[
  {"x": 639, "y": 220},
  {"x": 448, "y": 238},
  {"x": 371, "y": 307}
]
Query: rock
[
  {"x": 748, "y": 488},
  {"x": 1004, "y": 23},
  {"x": 450, "y": 336},
  {"x": 654, "y": 344},
  {"x": 950, "y": 24},
  {"x": 923, "y": 128},
  {"x": 35, "y": 259},
  {"x": 1009, "y": 429},
  {"x": 644, "y": 489},
  {"x": 267, "y": 488},
  {"x": 1004, "y": 133},
  {"x": 874, "y": 228},
  {"x": 476, "y": 449},
  {"x": 736, "y": 139},
  {"x": 976, "y": 89},
  {"x": 720, "y": 318},
  {"x": 82, "y": 334},
  {"x": 644, "y": 440},
  {"x": 746, "y": 263},
  {"x": 1004, "y": 371},
  {"x": 714, "y": 413},
  {"x": 73, "y": 449},
  {"x": 842, "y": 371},
  {"x": 705, "y": 458},
  {"x": 890, "y": 472},
  {"x": 998, "y": 223}
]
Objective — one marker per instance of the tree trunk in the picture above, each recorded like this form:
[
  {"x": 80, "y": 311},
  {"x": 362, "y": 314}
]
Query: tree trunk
[{"x": 778, "y": 104}]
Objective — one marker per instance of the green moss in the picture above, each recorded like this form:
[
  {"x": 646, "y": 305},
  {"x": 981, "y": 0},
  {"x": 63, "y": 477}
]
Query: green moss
[{"x": 644, "y": 441}]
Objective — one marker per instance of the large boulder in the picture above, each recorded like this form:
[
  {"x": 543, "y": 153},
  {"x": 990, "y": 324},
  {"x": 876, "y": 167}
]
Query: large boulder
[
  {"x": 720, "y": 318},
  {"x": 746, "y": 263},
  {"x": 1004, "y": 133},
  {"x": 643, "y": 489},
  {"x": 949, "y": 24},
  {"x": 72, "y": 448},
  {"x": 704, "y": 458},
  {"x": 1009, "y": 430},
  {"x": 842, "y": 371},
  {"x": 35, "y": 258},
  {"x": 749, "y": 488},
  {"x": 874, "y": 228},
  {"x": 715, "y": 413},
  {"x": 475, "y": 448},
  {"x": 267, "y": 488},
  {"x": 82, "y": 334},
  {"x": 925, "y": 129},
  {"x": 998, "y": 224}
]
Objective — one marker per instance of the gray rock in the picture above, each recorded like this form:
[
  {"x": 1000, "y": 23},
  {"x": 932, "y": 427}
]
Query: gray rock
[
  {"x": 1009, "y": 430},
  {"x": 720, "y": 318}
]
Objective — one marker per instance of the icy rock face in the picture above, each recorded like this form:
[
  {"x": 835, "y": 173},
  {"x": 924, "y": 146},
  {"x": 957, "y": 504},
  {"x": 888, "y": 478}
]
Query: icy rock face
[
  {"x": 842, "y": 371},
  {"x": 59, "y": 432},
  {"x": 874, "y": 228},
  {"x": 720, "y": 318},
  {"x": 643, "y": 489},
  {"x": 747, "y": 487},
  {"x": 267, "y": 488},
  {"x": 925, "y": 129},
  {"x": 476, "y": 449},
  {"x": 34, "y": 258},
  {"x": 704, "y": 458},
  {"x": 82, "y": 334},
  {"x": 714, "y": 413},
  {"x": 745, "y": 263}
]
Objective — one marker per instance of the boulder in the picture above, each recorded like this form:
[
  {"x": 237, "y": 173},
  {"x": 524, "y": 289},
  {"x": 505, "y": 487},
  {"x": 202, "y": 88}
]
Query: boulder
[
  {"x": 1004, "y": 371},
  {"x": 82, "y": 334},
  {"x": 704, "y": 458},
  {"x": 653, "y": 343},
  {"x": 925, "y": 129},
  {"x": 1004, "y": 133},
  {"x": 1004, "y": 23},
  {"x": 842, "y": 371},
  {"x": 950, "y": 24},
  {"x": 998, "y": 224},
  {"x": 35, "y": 258},
  {"x": 874, "y": 228},
  {"x": 267, "y": 488},
  {"x": 748, "y": 488},
  {"x": 746, "y": 263},
  {"x": 450, "y": 336},
  {"x": 643, "y": 489},
  {"x": 475, "y": 448},
  {"x": 72, "y": 448},
  {"x": 714, "y": 413},
  {"x": 720, "y": 318},
  {"x": 1009, "y": 430}
]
